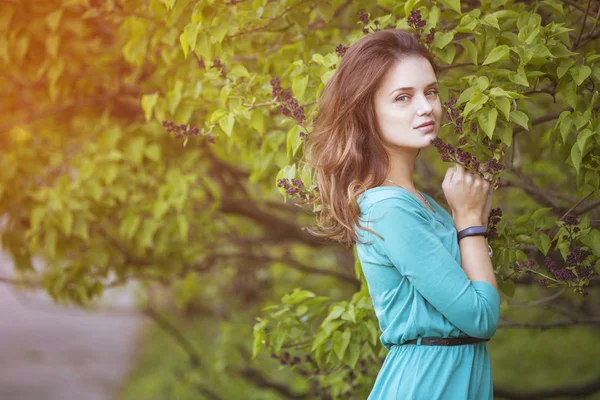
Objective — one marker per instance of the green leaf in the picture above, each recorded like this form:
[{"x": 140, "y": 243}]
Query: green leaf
[
  {"x": 129, "y": 226},
  {"x": 580, "y": 73},
  {"x": 505, "y": 134},
  {"x": 520, "y": 118},
  {"x": 294, "y": 140},
  {"x": 372, "y": 332},
  {"x": 146, "y": 232},
  {"x": 148, "y": 103},
  {"x": 52, "y": 43},
  {"x": 491, "y": 20},
  {"x": 325, "y": 10},
  {"x": 476, "y": 102},
  {"x": 467, "y": 95},
  {"x": 519, "y": 77},
  {"x": 471, "y": 50},
  {"x": 182, "y": 226},
  {"x": 174, "y": 96},
  {"x": 576, "y": 157},
  {"x": 299, "y": 84},
  {"x": 335, "y": 313},
  {"x": 297, "y": 296},
  {"x": 582, "y": 138},
  {"x": 279, "y": 336},
  {"x": 507, "y": 287},
  {"x": 226, "y": 123},
  {"x": 238, "y": 71},
  {"x": 257, "y": 120},
  {"x": 169, "y": 3},
  {"x": 53, "y": 19},
  {"x": 592, "y": 240},
  {"x": 352, "y": 355},
  {"x": 324, "y": 333},
  {"x": 409, "y": 5},
  {"x": 539, "y": 213},
  {"x": 447, "y": 53},
  {"x": 498, "y": 54},
  {"x": 454, "y": 5},
  {"x": 503, "y": 104},
  {"x": 442, "y": 39},
  {"x": 340, "y": 342},
  {"x": 487, "y": 120},
  {"x": 564, "y": 66},
  {"x": 188, "y": 38},
  {"x": 153, "y": 152},
  {"x": 565, "y": 125},
  {"x": 567, "y": 88}
]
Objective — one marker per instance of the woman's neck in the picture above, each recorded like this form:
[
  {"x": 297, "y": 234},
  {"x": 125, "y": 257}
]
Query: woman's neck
[{"x": 402, "y": 167}]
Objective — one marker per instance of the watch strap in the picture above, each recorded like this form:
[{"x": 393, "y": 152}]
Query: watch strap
[{"x": 472, "y": 231}]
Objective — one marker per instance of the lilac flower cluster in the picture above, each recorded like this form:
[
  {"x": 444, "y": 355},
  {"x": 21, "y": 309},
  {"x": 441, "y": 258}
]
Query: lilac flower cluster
[
  {"x": 284, "y": 359},
  {"x": 577, "y": 255},
  {"x": 417, "y": 23},
  {"x": 571, "y": 220},
  {"x": 364, "y": 18},
  {"x": 491, "y": 146},
  {"x": 493, "y": 220},
  {"x": 219, "y": 66},
  {"x": 430, "y": 36},
  {"x": 525, "y": 266},
  {"x": 295, "y": 187},
  {"x": 452, "y": 114},
  {"x": 449, "y": 153},
  {"x": 291, "y": 106},
  {"x": 182, "y": 130},
  {"x": 341, "y": 50},
  {"x": 560, "y": 274}
]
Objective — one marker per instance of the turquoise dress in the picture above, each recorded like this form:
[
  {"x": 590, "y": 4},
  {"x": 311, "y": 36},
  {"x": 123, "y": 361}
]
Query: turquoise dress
[{"x": 420, "y": 290}]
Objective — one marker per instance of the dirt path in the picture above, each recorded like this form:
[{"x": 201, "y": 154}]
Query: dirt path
[{"x": 48, "y": 352}]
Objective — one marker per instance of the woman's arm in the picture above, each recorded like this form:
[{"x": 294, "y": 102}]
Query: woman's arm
[
  {"x": 418, "y": 254},
  {"x": 474, "y": 252}
]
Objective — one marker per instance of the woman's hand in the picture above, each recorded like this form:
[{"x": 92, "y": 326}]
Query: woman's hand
[
  {"x": 488, "y": 206},
  {"x": 467, "y": 195}
]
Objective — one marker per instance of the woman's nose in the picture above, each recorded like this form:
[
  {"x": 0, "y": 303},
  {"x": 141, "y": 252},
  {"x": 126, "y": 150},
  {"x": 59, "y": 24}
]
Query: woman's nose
[{"x": 424, "y": 106}]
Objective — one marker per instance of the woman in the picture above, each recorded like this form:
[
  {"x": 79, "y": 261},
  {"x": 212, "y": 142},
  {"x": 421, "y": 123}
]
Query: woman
[{"x": 429, "y": 274}]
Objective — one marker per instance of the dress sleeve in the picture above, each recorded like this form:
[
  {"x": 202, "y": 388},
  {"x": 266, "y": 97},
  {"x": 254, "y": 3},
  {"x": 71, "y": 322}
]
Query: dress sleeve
[{"x": 418, "y": 254}]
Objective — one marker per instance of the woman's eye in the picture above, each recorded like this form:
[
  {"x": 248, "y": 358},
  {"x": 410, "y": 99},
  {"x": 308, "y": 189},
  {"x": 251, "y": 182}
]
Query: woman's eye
[
  {"x": 434, "y": 91},
  {"x": 401, "y": 97}
]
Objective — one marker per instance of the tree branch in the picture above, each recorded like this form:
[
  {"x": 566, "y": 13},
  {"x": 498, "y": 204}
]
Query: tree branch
[
  {"x": 176, "y": 334},
  {"x": 260, "y": 381}
]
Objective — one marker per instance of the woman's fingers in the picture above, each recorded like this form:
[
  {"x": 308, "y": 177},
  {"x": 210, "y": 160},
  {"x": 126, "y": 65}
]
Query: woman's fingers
[{"x": 448, "y": 177}]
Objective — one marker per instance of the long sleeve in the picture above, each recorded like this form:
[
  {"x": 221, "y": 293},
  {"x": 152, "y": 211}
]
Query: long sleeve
[{"x": 419, "y": 255}]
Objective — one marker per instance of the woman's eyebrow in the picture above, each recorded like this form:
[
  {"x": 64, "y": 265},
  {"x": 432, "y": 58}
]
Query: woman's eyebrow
[{"x": 410, "y": 88}]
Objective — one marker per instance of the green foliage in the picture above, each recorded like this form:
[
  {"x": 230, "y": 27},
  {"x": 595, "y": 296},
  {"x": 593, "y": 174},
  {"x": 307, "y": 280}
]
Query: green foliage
[{"x": 98, "y": 189}]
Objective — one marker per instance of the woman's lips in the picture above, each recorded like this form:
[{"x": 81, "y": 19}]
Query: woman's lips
[{"x": 426, "y": 128}]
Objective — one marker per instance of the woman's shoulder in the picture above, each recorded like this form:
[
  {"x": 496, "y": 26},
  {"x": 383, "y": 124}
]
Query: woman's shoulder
[{"x": 385, "y": 197}]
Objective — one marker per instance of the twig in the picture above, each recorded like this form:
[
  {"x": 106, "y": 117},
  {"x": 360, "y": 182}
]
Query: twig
[{"x": 587, "y": 10}]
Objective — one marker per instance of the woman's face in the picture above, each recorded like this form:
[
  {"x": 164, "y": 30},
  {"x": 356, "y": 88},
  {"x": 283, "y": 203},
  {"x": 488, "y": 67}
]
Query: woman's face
[{"x": 407, "y": 98}]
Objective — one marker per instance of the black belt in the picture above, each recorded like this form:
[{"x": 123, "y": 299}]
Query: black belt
[{"x": 453, "y": 341}]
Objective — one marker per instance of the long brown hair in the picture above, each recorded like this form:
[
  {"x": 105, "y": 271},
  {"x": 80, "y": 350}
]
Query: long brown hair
[{"x": 345, "y": 148}]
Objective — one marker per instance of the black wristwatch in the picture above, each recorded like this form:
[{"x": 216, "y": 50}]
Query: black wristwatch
[
  {"x": 472, "y": 231},
  {"x": 475, "y": 231}
]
